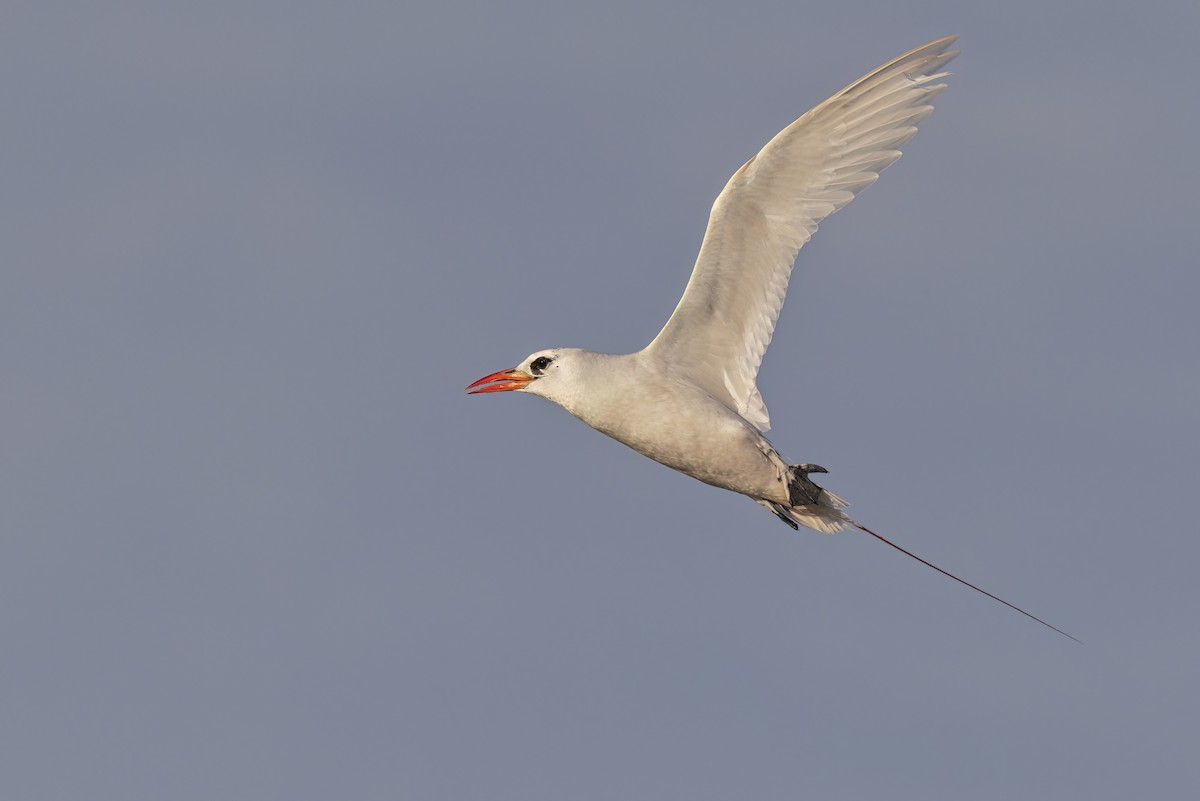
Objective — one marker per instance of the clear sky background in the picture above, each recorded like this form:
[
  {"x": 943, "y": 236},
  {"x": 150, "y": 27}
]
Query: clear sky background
[{"x": 257, "y": 543}]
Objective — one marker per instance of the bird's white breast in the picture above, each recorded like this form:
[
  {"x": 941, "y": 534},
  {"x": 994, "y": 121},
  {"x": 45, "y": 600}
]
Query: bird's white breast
[{"x": 674, "y": 422}]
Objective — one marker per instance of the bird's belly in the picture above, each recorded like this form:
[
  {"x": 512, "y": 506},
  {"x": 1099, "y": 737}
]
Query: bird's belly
[{"x": 705, "y": 440}]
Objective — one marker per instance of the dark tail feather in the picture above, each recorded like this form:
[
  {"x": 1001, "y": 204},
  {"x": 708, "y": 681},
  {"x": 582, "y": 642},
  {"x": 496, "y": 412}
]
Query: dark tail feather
[{"x": 960, "y": 581}]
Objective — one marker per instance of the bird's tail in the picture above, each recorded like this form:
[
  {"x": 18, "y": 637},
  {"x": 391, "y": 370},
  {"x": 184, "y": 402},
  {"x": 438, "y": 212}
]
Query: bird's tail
[
  {"x": 817, "y": 507},
  {"x": 812, "y": 506}
]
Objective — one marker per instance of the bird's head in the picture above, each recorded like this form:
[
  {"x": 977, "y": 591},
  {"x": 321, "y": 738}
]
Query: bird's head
[{"x": 540, "y": 373}]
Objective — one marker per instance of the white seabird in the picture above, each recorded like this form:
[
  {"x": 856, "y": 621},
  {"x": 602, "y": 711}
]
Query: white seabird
[{"x": 689, "y": 399}]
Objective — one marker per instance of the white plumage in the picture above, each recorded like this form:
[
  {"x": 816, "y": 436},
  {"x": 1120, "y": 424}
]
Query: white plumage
[
  {"x": 771, "y": 206},
  {"x": 689, "y": 399}
]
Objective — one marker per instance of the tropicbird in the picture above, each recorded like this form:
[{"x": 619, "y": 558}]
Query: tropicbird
[{"x": 688, "y": 400}]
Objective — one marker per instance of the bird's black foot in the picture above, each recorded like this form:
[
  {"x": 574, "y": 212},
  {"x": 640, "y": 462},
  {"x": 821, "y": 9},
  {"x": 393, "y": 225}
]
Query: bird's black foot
[
  {"x": 801, "y": 489},
  {"x": 779, "y": 513}
]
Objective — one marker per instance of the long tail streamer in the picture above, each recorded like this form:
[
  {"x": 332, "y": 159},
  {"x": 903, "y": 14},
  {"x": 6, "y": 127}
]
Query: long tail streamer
[{"x": 886, "y": 541}]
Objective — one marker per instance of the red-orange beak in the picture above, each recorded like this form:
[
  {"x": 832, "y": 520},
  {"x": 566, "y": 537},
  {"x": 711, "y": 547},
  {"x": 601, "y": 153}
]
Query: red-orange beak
[{"x": 503, "y": 381}]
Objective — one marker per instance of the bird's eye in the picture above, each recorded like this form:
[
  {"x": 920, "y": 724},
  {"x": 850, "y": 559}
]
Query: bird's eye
[{"x": 539, "y": 364}]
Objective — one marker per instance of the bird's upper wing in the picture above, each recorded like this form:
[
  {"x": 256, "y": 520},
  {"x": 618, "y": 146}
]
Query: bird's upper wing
[{"x": 771, "y": 206}]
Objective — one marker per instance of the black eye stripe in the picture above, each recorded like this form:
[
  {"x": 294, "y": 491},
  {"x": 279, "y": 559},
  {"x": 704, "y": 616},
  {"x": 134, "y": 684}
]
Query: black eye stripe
[{"x": 539, "y": 364}]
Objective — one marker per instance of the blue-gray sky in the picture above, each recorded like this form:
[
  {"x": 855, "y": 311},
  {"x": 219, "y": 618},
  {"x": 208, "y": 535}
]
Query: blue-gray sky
[{"x": 256, "y": 542}]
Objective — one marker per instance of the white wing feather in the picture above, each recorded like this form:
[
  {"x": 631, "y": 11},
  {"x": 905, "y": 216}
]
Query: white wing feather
[{"x": 720, "y": 330}]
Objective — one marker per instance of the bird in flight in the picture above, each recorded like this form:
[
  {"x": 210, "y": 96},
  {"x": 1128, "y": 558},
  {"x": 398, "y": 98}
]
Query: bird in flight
[{"x": 688, "y": 399}]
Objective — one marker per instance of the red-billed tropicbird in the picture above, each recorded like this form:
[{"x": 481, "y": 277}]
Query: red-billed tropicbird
[{"x": 688, "y": 399}]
